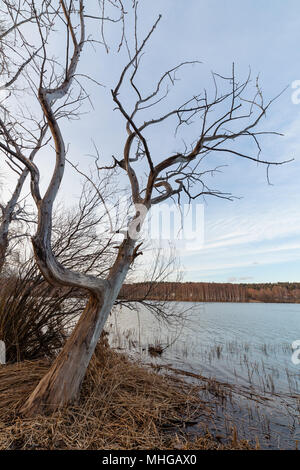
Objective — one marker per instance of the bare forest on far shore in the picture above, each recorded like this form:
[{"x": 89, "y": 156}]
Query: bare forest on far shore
[{"x": 282, "y": 292}]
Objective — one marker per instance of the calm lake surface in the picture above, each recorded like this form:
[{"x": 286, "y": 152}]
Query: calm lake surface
[{"x": 245, "y": 345}]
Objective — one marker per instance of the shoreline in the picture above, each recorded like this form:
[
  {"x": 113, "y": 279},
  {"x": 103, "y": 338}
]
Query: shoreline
[
  {"x": 140, "y": 409},
  {"x": 212, "y": 301}
]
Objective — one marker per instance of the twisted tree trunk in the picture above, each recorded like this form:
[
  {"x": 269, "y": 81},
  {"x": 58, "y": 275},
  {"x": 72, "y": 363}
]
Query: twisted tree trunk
[{"x": 61, "y": 385}]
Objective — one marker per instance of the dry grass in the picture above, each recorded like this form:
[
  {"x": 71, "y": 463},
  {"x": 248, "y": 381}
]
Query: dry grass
[{"x": 122, "y": 406}]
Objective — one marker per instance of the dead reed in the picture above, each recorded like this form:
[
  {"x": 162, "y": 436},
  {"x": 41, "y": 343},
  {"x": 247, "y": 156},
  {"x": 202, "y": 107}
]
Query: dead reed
[{"x": 122, "y": 406}]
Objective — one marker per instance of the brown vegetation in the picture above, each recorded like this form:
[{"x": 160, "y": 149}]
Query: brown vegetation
[
  {"x": 122, "y": 406},
  {"x": 33, "y": 321}
]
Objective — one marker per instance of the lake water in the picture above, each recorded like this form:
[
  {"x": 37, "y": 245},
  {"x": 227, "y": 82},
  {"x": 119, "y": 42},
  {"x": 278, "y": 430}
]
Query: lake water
[{"x": 245, "y": 345}]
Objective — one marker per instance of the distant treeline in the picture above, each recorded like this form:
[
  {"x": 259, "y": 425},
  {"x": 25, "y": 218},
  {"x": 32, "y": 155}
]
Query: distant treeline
[
  {"x": 284, "y": 292},
  {"x": 212, "y": 292}
]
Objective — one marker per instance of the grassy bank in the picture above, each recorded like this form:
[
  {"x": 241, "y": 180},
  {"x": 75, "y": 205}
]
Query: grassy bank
[{"x": 122, "y": 406}]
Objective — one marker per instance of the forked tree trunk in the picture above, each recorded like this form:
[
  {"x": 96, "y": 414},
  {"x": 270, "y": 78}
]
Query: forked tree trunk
[{"x": 61, "y": 385}]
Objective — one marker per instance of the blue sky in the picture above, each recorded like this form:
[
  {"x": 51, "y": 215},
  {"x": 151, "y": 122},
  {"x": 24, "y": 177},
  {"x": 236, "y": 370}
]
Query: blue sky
[{"x": 255, "y": 238}]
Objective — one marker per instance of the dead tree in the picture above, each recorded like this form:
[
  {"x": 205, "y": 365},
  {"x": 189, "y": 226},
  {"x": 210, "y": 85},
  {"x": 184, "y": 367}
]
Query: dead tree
[
  {"x": 19, "y": 130},
  {"x": 224, "y": 120}
]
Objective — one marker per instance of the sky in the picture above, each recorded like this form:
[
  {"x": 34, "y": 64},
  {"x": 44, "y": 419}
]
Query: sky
[{"x": 255, "y": 237}]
